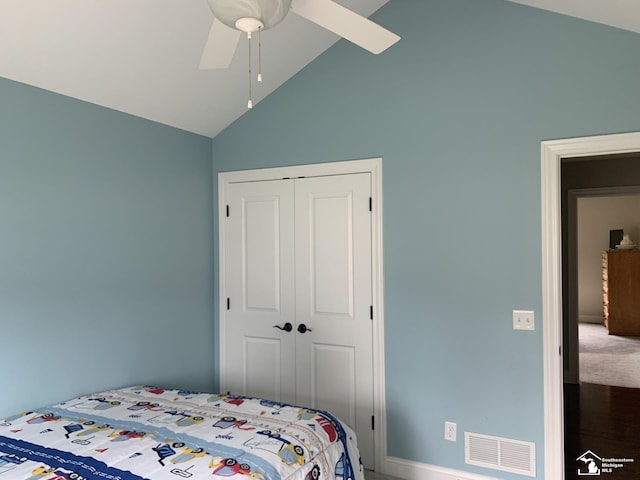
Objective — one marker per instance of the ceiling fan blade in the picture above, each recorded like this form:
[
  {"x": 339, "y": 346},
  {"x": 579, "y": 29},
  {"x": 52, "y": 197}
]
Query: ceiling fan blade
[
  {"x": 220, "y": 47},
  {"x": 350, "y": 25}
]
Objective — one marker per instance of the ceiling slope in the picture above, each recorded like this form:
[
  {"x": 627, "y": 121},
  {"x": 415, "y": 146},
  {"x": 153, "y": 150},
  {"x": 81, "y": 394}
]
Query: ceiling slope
[{"x": 142, "y": 57}]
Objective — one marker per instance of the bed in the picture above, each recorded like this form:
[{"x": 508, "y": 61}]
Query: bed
[{"x": 145, "y": 432}]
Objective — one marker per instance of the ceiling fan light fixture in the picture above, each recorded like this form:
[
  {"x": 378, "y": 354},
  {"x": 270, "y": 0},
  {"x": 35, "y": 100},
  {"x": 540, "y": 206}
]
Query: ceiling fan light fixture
[
  {"x": 251, "y": 16},
  {"x": 268, "y": 12},
  {"x": 249, "y": 24}
]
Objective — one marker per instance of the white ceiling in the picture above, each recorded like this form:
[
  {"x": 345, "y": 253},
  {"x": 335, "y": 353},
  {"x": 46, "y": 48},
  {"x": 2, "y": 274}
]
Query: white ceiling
[{"x": 141, "y": 57}]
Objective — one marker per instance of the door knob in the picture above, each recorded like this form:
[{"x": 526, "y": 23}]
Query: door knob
[
  {"x": 302, "y": 328},
  {"x": 287, "y": 327}
]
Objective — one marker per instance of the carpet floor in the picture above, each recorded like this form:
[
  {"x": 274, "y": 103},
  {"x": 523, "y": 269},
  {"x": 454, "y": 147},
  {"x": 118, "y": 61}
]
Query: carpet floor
[{"x": 608, "y": 359}]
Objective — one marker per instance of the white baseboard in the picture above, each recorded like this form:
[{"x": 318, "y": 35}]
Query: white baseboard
[
  {"x": 591, "y": 319},
  {"x": 406, "y": 469}
]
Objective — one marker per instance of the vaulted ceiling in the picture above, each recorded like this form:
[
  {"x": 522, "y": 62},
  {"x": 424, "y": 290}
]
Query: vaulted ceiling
[{"x": 141, "y": 57}]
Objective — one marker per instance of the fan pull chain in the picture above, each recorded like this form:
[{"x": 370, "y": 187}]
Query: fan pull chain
[
  {"x": 250, "y": 102},
  {"x": 259, "y": 55},
  {"x": 259, "y": 78}
]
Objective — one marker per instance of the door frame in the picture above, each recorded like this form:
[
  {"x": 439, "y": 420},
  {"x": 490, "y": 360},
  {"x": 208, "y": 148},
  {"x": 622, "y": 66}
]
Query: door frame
[
  {"x": 373, "y": 166},
  {"x": 552, "y": 153}
]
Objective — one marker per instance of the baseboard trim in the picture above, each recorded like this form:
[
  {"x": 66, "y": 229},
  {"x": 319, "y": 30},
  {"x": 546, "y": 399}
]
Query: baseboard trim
[
  {"x": 591, "y": 319},
  {"x": 406, "y": 469}
]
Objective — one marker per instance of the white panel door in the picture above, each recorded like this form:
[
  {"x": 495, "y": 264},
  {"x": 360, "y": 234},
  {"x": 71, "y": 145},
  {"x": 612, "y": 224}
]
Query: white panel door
[
  {"x": 259, "y": 357},
  {"x": 334, "y": 330},
  {"x": 298, "y": 251}
]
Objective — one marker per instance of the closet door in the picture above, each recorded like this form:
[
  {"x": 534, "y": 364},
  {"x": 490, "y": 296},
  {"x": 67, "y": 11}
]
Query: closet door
[
  {"x": 298, "y": 252},
  {"x": 258, "y": 357},
  {"x": 334, "y": 345}
]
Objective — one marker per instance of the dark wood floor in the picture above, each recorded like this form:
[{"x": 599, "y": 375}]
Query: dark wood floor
[{"x": 606, "y": 421}]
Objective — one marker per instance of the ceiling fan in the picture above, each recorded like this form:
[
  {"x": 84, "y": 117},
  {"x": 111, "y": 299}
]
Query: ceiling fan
[{"x": 232, "y": 17}]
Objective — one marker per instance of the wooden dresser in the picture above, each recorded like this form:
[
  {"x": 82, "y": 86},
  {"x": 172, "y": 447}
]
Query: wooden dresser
[{"x": 621, "y": 291}]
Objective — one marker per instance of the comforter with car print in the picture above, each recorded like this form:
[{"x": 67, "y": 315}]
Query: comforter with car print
[{"x": 151, "y": 433}]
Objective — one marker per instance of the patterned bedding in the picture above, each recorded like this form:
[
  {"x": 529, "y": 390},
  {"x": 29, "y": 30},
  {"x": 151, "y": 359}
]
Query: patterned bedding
[{"x": 152, "y": 433}]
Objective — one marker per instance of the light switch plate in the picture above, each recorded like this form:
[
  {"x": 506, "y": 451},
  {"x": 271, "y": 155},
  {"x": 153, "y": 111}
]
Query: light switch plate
[{"x": 524, "y": 320}]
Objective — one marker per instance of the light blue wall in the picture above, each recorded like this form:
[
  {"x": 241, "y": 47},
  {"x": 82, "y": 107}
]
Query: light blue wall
[
  {"x": 457, "y": 110},
  {"x": 105, "y": 251}
]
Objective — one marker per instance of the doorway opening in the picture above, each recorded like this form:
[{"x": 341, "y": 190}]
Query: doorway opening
[
  {"x": 599, "y": 195},
  {"x": 553, "y": 154},
  {"x": 605, "y": 352}
]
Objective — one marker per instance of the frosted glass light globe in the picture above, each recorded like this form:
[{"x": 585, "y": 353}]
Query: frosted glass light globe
[{"x": 269, "y": 12}]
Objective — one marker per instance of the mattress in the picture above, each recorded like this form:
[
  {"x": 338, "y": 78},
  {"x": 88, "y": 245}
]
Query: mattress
[{"x": 153, "y": 433}]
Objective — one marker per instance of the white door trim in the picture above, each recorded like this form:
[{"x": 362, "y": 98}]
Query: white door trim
[
  {"x": 552, "y": 153},
  {"x": 374, "y": 167}
]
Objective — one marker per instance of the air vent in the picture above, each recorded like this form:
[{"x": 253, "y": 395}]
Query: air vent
[{"x": 499, "y": 453}]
